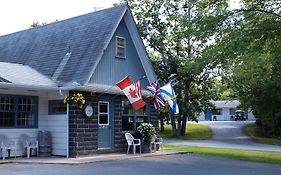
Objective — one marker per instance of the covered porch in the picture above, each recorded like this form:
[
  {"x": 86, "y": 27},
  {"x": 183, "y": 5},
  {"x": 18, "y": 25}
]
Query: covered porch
[{"x": 26, "y": 110}]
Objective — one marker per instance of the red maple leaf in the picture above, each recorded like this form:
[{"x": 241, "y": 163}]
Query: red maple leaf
[{"x": 133, "y": 93}]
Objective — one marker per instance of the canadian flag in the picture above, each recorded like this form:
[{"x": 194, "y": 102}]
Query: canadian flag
[{"x": 132, "y": 92}]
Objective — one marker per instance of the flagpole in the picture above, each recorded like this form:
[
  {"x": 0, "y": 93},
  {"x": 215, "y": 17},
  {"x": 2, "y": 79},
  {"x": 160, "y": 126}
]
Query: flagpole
[
  {"x": 106, "y": 90},
  {"x": 143, "y": 77}
]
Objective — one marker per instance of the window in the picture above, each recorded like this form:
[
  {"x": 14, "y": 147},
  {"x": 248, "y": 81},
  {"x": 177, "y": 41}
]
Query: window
[
  {"x": 232, "y": 111},
  {"x": 131, "y": 119},
  {"x": 216, "y": 111},
  {"x": 128, "y": 119},
  {"x": 141, "y": 116},
  {"x": 7, "y": 111},
  {"x": 127, "y": 123},
  {"x": 103, "y": 116},
  {"x": 57, "y": 107},
  {"x": 18, "y": 111},
  {"x": 120, "y": 47}
]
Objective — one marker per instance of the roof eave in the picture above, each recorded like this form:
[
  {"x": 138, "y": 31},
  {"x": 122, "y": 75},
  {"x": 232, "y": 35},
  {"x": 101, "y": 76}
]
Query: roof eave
[
  {"x": 106, "y": 45},
  {"x": 138, "y": 42},
  {"x": 106, "y": 89},
  {"x": 27, "y": 87}
]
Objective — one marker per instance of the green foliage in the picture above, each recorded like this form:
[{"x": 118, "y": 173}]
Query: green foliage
[
  {"x": 224, "y": 92},
  {"x": 249, "y": 54},
  {"x": 38, "y": 24},
  {"x": 199, "y": 40},
  {"x": 177, "y": 32},
  {"x": 75, "y": 99},
  {"x": 193, "y": 132},
  {"x": 256, "y": 133},
  {"x": 247, "y": 155},
  {"x": 146, "y": 130}
]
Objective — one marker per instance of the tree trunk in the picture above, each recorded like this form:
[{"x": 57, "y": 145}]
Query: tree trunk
[
  {"x": 174, "y": 127},
  {"x": 162, "y": 124},
  {"x": 185, "y": 112},
  {"x": 183, "y": 128},
  {"x": 187, "y": 81},
  {"x": 179, "y": 127}
]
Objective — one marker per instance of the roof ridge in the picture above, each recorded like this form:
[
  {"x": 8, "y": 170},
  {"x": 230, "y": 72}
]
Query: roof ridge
[{"x": 67, "y": 19}]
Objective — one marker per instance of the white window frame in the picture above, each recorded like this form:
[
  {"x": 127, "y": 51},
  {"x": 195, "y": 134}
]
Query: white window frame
[
  {"x": 107, "y": 113},
  {"x": 16, "y": 112},
  {"x": 123, "y": 47}
]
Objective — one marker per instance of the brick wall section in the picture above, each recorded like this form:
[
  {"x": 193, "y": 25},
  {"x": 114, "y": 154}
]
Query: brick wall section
[
  {"x": 153, "y": 115},
  {"x": 119, "y": 138},
  {"x": 83, "y": 132}
]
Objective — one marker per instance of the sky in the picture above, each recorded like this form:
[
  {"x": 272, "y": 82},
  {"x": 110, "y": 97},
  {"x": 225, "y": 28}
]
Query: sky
[{"x": 16, "y": 15}]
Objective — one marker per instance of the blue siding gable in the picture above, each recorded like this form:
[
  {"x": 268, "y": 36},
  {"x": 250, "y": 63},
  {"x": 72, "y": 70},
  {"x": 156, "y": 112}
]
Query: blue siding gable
[
  {"x": 111, "y": 69},
  {"x": 44, "y": 48}
]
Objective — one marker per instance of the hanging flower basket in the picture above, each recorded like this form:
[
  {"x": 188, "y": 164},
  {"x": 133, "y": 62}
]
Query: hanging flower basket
[{"x": 75, "y": 99}]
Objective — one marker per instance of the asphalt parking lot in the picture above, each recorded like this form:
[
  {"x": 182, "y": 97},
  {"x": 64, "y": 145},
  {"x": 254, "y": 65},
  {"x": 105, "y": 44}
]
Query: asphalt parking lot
[{"x": 160, "y": 165}]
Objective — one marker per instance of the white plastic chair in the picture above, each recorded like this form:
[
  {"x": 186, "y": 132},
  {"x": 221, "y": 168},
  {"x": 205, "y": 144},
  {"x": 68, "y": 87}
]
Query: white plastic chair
[
  {"x": 157, "y": 141},
  {"x": 132, "y": 142},
  {"x": 29, "y": 144},
  {"x": 7, "y": 145}
]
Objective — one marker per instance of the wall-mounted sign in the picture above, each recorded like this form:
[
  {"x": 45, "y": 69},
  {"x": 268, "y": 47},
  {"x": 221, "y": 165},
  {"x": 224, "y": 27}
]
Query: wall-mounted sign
[{"x": 88, "y": 111}]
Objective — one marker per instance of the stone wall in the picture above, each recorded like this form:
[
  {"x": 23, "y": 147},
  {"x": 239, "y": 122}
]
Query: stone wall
[{"x": 83, "y": 132}]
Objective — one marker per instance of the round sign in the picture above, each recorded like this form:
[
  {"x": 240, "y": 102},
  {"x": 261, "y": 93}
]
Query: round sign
[{"x": 89, "y": 110}]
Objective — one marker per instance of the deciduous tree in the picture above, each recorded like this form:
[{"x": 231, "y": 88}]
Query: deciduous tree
[{"x": 177, "y": 32}]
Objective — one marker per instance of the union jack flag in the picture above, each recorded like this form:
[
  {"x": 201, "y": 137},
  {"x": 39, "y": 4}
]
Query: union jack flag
[{"x": 158, "y": 100}]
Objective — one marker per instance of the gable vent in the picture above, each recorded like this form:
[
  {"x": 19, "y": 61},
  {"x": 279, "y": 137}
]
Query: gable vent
[{"x": 61, "y": 66}]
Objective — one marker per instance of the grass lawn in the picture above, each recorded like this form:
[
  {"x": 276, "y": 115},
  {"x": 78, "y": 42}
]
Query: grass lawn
[
  {"x": 193, "y": 132},
  {"x": 247, "y": 155},
  {"x": 251, "y": 131}
]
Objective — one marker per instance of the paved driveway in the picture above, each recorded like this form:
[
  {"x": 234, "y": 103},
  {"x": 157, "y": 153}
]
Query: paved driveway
[
  {"x": 227, "y": 134},
  {"x": 161, "y": 165},
  {"x": 229, "y": 131}
]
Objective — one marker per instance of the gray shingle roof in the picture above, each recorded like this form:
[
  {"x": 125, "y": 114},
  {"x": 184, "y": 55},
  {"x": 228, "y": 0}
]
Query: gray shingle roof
[{"x": 44, "y": 48}]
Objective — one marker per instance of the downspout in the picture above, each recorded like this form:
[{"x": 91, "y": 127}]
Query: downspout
[
  {"x": 61, "y": 89},
  {"x": 67, "y": 129}
]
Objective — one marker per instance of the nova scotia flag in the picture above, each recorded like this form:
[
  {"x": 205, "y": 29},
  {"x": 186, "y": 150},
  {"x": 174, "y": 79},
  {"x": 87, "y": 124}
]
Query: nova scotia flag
[{"x": 169, "y": 95}]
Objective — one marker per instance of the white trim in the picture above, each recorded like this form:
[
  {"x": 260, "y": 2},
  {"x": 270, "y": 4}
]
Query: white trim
[
  {"x": 67, "y": 130},
  {"x": 139, "y": 45},
  {"x": 103, "y": 113},
  {"x": 106, "y": 45},
  {"x": 104, "y": 148},
  {"x": 100, "y": 88},
  {"x": 27, "y": 87},
  {"x": 117, "y": 46}
]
